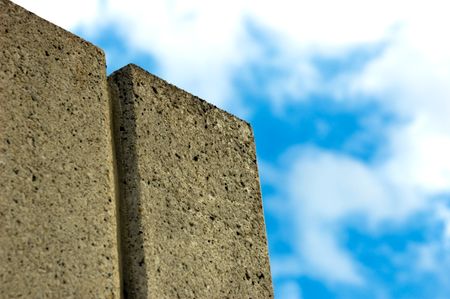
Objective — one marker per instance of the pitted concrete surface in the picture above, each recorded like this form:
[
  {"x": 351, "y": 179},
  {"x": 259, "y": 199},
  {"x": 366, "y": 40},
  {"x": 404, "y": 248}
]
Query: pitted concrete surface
[
  {"x": 191, "y": 213},
  {"x": 57, "y": 206}
]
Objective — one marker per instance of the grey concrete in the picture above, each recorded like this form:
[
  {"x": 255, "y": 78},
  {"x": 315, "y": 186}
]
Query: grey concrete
[
  {"x": 191, "y": 214},
  {"x": 57, "y": 206}
]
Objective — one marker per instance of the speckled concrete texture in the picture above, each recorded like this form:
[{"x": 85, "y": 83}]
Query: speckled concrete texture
[
  {"x": 57, "y": 206},
  {"x": 191, "y": 213}
]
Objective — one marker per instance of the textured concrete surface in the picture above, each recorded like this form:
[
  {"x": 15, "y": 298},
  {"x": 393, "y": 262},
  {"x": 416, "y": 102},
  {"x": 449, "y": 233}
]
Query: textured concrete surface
[
  {"x": 57, "y": 207},
  {"x": 191, "y": 214}
]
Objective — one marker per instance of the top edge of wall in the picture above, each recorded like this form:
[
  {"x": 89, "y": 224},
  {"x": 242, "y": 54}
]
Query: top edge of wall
[
  {"x": 14, "y": 6},
  {"x": 131, "y": 68}
]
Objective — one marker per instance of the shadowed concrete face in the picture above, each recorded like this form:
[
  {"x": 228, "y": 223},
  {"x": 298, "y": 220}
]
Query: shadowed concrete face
[
  {"x": 191, "y": 214},
  {"x": 57, "y": 205}
]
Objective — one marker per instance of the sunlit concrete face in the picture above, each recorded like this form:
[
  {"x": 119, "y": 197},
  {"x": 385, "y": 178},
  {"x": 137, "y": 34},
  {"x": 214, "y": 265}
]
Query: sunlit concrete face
[
  {"x": 191, "y": 214},
  {"x": 57, "y": 207}
]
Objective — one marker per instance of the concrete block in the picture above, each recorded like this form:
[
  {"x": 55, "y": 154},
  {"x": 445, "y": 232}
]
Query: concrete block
[
  {"x": 192, "y": 223},
  {"x": 58, "y": 236}
]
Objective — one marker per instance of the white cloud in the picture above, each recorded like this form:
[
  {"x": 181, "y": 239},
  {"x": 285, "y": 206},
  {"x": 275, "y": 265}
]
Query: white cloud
[
  {"x": 289, "y": 290},
  {"x": 323, "y": 190},
  {"x": 323, "y": 257},
  {"x": 286, "y": 266},
  {"x": 418, "y": 157},
  {"x": 318, "y": 190},
  {"x": 67, "y": 14},
  {"x": 409, "y": 79}
]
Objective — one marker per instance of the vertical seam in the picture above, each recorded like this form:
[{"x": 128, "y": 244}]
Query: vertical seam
[{"x": 117, "y": 189}]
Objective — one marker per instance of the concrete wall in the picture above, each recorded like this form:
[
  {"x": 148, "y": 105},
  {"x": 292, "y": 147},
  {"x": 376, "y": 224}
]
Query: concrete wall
[
  {"x": 57, "y": 205},
  {"x": 191, "y": 214},
  {"x": 189, "y": 221}
]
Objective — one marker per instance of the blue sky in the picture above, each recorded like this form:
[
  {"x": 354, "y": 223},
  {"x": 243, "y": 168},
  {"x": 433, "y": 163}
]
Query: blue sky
[{"x": 349, "y": 101}]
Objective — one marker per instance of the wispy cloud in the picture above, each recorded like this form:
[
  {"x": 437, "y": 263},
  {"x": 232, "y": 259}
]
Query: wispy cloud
[
  {"x": 325, "y": 192},
  {"x": 290, "y": 290},
  {"x": 67, "y": 14}
]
